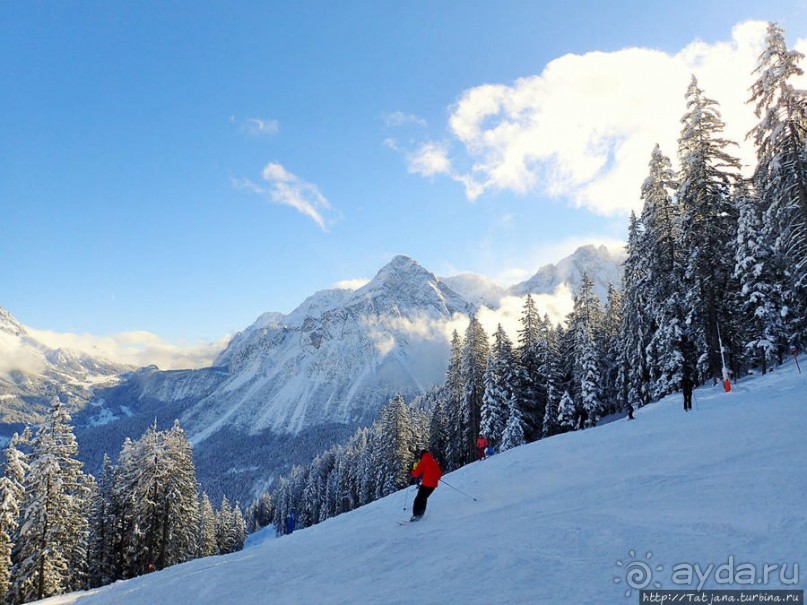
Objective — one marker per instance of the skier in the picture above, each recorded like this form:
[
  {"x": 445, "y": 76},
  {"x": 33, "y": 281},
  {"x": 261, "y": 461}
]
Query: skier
[
  {"x": 291, "y": 521},
  {"x": 481, "y": 445},
  {"x": 489, "y": 451},
  {"x": 428, "y": 473},
  {"x": 686, "y": 387},
  {"x": 630, "y": 412}
]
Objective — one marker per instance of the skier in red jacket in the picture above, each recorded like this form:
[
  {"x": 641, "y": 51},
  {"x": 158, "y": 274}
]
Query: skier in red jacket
[
  {"x": 429, "y": 473},
  {"x": 481, "y": 446}
]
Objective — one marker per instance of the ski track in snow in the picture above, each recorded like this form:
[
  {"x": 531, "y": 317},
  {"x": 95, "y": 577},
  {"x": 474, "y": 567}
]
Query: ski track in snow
[{"x": 552, "y": 521}]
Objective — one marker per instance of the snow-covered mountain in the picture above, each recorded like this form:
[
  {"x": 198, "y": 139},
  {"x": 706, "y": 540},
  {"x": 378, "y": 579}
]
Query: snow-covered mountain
[
  {"x": 602, "y": 264},
  {"x": 289, "y": 386},
  {"x": 31, "y": 373},
  {"x": 336, "y": 358},
  {"x": 584, "y": 517},
  {"x": 476, "y": 289}
]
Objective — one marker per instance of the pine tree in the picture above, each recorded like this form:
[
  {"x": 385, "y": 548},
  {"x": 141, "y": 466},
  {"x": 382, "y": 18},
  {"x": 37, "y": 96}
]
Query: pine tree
[
  {"x": 395, "y": 450},
  {"x": 102, "y": 528},
  {"x": 532, "y": 357},
  {"x": 513, "y": 434},
  {"x": 50, "y": 557},
  {"x": 472, "y": 369},
  {"x": 612, "y": 397},
  {"x": 224, "y": 536},
  {"x": 499, "y": 388},
  {"x": 12, "y": 492},
  {"x": 781, "y": 173},
  {"x": 155, "y": 497},
  {"x": 585, "y": 322},
  {"x": 709, "y": 227},
  {"x": 180, "y": 502},
  {"x": 454, "y": 454},
  {"x": 761, "y": 290},
  {"x": 438, "y": 427},
  {"x": 664, "y": 266},
  {"x": 207, "y": 528},
  {"x": 552, "y": 372},
  {"x": 567, "y": 413},
  {"x": 637, "y": 328}
]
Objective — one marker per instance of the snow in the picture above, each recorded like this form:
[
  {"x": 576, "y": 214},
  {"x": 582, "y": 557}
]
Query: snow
[{"x": 557, "y": 521}]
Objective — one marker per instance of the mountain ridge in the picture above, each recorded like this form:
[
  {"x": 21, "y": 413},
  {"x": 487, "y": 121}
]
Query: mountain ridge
[{"x": 305, "y": 379}]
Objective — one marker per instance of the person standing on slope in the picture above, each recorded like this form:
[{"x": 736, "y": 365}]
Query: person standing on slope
[
  {"x": 481, "y": 446},
  {"x": 428, "y": 472}
]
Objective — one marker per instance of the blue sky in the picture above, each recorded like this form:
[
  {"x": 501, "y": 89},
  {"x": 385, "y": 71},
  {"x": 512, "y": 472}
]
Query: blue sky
[{"x": 174, "y": 169}]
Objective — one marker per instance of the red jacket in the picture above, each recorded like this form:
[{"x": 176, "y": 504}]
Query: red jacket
[{"x": 429, "y": 470}]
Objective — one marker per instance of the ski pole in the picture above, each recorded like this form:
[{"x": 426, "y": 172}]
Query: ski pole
[
  {"x": 459, "y": 490},
  {"x": 406, "y": 497}
]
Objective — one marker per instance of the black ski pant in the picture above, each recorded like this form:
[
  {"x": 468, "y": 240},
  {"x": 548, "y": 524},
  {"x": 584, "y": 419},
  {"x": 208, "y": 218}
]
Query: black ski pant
[{"x": 419, "y": 506}]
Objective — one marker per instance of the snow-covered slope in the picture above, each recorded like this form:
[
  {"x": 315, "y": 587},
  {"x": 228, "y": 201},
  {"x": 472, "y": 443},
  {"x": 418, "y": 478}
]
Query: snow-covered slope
[{"x": 569, "y": 519}]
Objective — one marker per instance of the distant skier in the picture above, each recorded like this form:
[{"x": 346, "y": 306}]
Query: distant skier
[
  {"x": 630, "y": 412},
  {"x": 291, "y": 521},
  {"x": 481, "y": 446},
  {"x": 428, "y": 472},
  {"x": 489, "y": 451},
  {"x": 686, "y": 387}
]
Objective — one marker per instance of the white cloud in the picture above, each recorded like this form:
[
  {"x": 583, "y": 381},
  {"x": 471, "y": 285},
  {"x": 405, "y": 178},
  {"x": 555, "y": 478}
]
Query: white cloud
[
  {"x": 288, "y": 189},
  {"x": 396, "y": 119},
  {"x": 257, "y": 127},
  {"x": 137, "y": 348},
  {"x": 15, "y": 356},
  {"x": 585, "y": 127},
  {"x": 351, "y": 284},
  {"x": 430, "y": 159},
  {"x": 385, "y": 330}
]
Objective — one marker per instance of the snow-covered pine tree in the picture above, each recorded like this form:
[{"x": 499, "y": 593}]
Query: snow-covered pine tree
[
  {"x": 513, "y": 434},
  {"x": 351, "y": 478},
  {"x": 454, "y": 454},
  {"x": 155, "y": 500},
  {"x": 611, "y": 345},
  {"x": 395, "y": 450},
  {"x": 208, "y": 544},
  {"x": 12, "y": 492},
  {"x": 659, "y": 247},
  {"x": 239, "y": 527},
  {"x": 781, "y": 173},
  {"x": 472, "y": 368},
  {"x": 585, "y": 322},
  {"x": 180, "y": 505},
  {"x": 50, "y": 557},
  {"x": 102, "y": 527},
  {"x": 636, "y": 330},
  {"x": 761, "y": 295},
  {"x": 224, "y": 536},
  {"x": 316, "y": 502},
  {"x": 259, "y": 514},
  {"x": 709, "y": 228},
  {"x": 567, "y": 413},
  {"x": 590, "y": 380},
  {"x": 532, "y": 357},
  {"x": 438, "y": 427},
  {"x": 552, "y": 373},
  {"x": 499, "y": 390}
]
